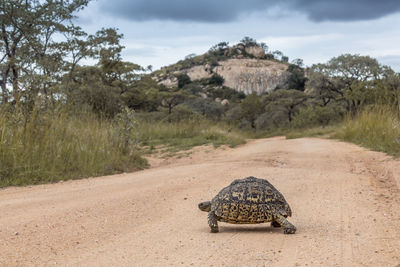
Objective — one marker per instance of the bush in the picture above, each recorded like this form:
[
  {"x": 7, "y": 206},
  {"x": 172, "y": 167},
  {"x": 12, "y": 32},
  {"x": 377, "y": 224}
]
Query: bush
[
  {"x": 183, "y": 79},
  {"x": 207, "y": 107},
  {"x": 272, "y": 119},
  {"x": 193, "y": 88},
  {"x": 216, "y": 79},
  {"x": 314, "y": 115},
  {"x": 180, "y": 113}
]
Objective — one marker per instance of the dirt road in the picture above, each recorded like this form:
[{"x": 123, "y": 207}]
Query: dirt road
[{"x": 345, "y": 202}]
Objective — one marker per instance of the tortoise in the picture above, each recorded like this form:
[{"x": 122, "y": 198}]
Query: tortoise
[{"x": 249, "y": 201}]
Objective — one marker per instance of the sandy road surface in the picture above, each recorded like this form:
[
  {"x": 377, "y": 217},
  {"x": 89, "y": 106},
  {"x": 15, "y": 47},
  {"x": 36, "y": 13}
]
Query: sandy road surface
[{"x": 345, "y": 200}]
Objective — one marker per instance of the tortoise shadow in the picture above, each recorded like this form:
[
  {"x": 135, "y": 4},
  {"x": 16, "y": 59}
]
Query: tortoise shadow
[{"x": 249, "y": 229}]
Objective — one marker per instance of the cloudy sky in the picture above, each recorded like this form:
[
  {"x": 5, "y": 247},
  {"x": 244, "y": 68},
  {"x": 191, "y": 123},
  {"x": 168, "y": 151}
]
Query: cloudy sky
[{"x": 161, "y": 32}]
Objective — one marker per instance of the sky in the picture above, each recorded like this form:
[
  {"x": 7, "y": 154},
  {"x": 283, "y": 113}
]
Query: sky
[{"x": 161, "y": 32}]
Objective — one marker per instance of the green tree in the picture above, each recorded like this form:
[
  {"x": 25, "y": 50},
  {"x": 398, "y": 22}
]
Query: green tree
[
  {"x": 346, "y": 78},
  {"x": 183, "y": 79},
  {"x": 89, "y": 89},
  {"x": 251, "y": 108},
  {"x": 143, "y": 95},
  {"x": 110, "y": 76},
  {"x": 216, "y": 79},
  {"x": 297, "y": 79},
  {"x": 219, "y": 49},
  {"x": 288, "y": 101},
  {"x": 170, "y": 99},
  {"x": 29, "y": 53},
  {"x": 247, "y": 41},
  {"x": 387, "y": 89},
  {"x": 206, "y": 107}
]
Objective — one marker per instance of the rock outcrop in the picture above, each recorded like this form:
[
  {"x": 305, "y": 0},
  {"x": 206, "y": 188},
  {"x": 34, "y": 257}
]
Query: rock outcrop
[
  {"x": 255, "y": 51},
  {"x": 244, "y": 75}
]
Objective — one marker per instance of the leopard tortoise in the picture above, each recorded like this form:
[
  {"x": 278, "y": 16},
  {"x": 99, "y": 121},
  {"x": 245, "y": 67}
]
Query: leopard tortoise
[{"x": 249, "y": 201}]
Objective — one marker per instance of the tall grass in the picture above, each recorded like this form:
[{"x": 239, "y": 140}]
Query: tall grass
[
  {"x": 377, "y": 128},
  {"x": 51, "y": 144},
  {"x": 47, "y": 145}
]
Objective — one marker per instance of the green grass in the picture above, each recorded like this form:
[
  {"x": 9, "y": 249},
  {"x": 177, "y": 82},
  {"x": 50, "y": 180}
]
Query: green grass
[
  {"x": 292, "y": 133},
  {"x": 377, "y": 129},
  {"x": 316, "y": 131},
  {"x": 52, "y": 145}
]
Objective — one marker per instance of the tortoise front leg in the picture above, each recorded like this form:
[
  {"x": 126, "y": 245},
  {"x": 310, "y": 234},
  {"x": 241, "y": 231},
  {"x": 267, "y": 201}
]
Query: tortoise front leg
[
  {"x": 212, "y": 222},
  {"x": 288, "y": 228},
  {"x": 275, "y": 224}
]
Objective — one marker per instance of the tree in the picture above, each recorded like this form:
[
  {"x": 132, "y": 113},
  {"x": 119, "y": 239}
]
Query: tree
[
  {"x": 142, "y": 95},
  {"x": 170, "y": 99},
  {"x": 247, "y": 41},
  {"x": 190, "y": 56},
  {"x": 288, "y": 101},
  {"x": 277, "y": 54},
  {"x": 29, "y": 52},
  {"x": 264, "y": 46},
  {"x": 298, "y": 62},
  {"x": 216, "y": 79},
  {"x": 183, "y": 79},
  {"x": 206, "y": 107},
  {"x": 387, "y": 90},
  {"x": 110, "y": 75},
  {"x": 219, "y": 49},
  {"x": 350, "y": 77},
  {"x": 89, "y": 89},
  {"x": 251, "y": 108},
  {"x": 297, "y": 79},
  {"x": 320, "y": 86},
  {"x": 226, "y": 93},
  {"x": 354, "y": 67}
]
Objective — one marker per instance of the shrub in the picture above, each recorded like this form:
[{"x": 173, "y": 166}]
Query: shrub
[
  {"x": 314, "y": 115},
  {"x": 216, "y": 79},
  {"x": 183, "y": 79}
]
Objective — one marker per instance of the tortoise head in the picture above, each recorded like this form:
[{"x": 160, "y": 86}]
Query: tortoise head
[{"x": 205, "y": 206}]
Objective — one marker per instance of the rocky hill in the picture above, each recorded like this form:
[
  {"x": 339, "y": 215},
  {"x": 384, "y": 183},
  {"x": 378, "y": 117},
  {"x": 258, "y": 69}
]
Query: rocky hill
[{"x": 244, "y": 67}]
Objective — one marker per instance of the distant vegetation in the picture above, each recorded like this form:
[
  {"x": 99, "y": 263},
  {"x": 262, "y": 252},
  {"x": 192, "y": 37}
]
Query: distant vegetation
[{"x": 62, "y": 120}]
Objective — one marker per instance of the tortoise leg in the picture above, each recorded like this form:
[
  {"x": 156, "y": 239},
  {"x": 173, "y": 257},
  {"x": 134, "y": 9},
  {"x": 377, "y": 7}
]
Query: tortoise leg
[
  {"x": 288, "y": 228},
  {"x": 212, "y": 222},
  {"x": 275, "y": 224}
]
